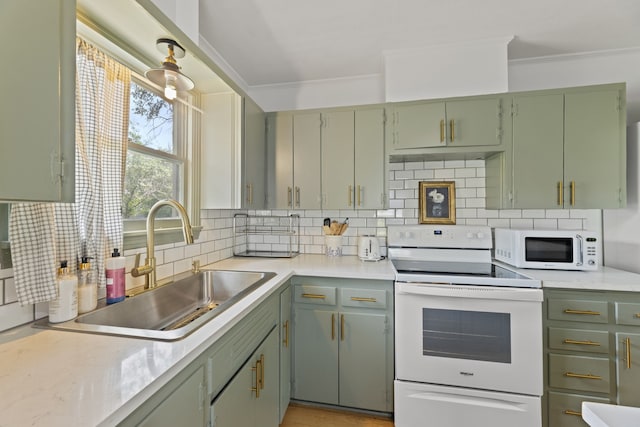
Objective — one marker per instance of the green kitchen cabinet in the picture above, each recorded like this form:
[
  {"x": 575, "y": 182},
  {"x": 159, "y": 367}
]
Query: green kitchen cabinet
[
  {"x": 184, "y": 406},
  {"x": 294, "y": 160},
  {"x": 251, "y": 398},
  {"x": 285, "y": 350},
  {"x": 568, "y": 151},
  {"x": 254, "y": 155},
  {"x": 37, "y": 126},
  {"x": 591, "y": 341},
  {"x": 353, "y": 158},
  {"x": 343, "y": 342},
  {"x": 457, "y": 124}
]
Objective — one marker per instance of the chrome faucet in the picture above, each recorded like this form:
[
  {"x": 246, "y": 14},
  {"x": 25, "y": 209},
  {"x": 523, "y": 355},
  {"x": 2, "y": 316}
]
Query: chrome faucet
[{"x": 149, "y": 268}]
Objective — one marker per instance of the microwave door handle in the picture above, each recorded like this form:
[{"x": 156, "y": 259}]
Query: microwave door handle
[{"x": 580, "y": 249}]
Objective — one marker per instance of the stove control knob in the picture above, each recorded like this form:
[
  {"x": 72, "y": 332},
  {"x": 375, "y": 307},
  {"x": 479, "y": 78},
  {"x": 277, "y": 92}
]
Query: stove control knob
[{"x": 591, "y": 262}]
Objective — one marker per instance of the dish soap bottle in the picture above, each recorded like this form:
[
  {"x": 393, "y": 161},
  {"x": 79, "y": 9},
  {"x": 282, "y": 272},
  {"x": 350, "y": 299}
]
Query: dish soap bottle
[
  {"x": 87, "y": 287},
  {"x": 65, "y": 306},
  {"x": 115, "y": 270}
]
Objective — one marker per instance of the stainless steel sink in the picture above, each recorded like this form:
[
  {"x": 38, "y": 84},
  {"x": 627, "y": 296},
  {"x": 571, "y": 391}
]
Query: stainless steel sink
[{"x": 171, "y": 311}]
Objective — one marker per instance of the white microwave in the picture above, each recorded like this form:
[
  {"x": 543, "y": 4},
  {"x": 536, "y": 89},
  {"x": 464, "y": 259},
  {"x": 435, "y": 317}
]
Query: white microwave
[{"x": 548, "y": 249}]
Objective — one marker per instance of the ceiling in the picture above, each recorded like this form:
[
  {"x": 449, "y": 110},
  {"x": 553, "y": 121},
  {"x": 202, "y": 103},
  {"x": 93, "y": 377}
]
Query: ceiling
[{"x": 281, "y": 41}]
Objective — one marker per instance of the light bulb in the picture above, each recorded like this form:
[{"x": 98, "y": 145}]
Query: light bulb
[{"x": 170, "y": 91}]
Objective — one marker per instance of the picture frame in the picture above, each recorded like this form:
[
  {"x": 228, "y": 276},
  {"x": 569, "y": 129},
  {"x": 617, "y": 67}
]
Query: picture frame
[{"x": 437, "y": 202}]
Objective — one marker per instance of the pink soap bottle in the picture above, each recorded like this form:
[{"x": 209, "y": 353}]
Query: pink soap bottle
[{"x": 115, "y": 271}]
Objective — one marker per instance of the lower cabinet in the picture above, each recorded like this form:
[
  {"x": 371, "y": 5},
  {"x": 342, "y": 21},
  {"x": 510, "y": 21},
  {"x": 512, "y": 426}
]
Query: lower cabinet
[
  {"x": 285, "y": 350},
  {"x": 592, "y": 341},
  {"x": 343, "y": 342},
  {"x": 252, "y": 397}
]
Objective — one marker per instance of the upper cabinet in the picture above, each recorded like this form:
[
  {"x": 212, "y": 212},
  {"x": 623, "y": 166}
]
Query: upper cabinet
[
  {"x": 457, "y": 124},
  {"x": 568, "y": 151},
  {"x": 329, "y": 159},
  {"x": 254, "y": 156},
  {"x": 37, "y": 125}
]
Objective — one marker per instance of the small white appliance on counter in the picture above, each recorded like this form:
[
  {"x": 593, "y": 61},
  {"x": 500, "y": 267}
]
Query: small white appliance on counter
[
  {"x": 548, "y": 249},
  {"x": 368, "y": 248}
]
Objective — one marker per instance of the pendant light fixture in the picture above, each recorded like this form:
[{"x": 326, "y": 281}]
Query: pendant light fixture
[{"x": 169, "y": 76}]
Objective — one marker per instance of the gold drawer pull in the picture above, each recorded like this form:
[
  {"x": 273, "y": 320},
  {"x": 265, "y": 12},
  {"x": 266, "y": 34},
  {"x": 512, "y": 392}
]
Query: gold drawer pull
[
  {"x": 316, "y": 296},
  {"x": 333, "y": 326},
  {"x": 570, "y": 412},
  {"x": 363, "y": 299},
  {"x": 627, "y": 346},
  {"x": 286, "y": 333},
  {"x": 342, "y": 327},
  {"x": 637, "y": 315},
  {"x": 568, "y": 341},
  {"x": 587, "y": 312},
  {"x": 583, "y": 376}
]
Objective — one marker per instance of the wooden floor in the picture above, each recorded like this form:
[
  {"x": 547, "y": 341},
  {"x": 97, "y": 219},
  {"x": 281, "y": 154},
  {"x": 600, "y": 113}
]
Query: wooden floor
[{"x": 304, "y": 416}]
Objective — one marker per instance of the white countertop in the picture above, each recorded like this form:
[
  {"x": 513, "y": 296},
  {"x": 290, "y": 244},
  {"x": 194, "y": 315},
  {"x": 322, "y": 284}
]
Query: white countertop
[
  {"x": 607, "y": 415},
  {"x": 58, "y": 378},
  {"x": 604, "y": 279}
]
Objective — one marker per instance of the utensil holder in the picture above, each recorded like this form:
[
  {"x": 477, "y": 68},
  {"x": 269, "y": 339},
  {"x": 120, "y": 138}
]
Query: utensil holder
[{"x": 333, "y": 245}]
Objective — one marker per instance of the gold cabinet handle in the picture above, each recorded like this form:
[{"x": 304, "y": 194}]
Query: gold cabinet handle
[
  {"x": 627, "y": 347},
  {"x": 359, "y": 196},
  {"x": 452, "y": 130},
  {"x": 298, "y": 196},
  {"x": 570, "y": 412},
  {"x": 333, "y": 326},
  {"x": 314, "y": 296},
  {"x": 587, "y": 342},
  {"x": 573, "y": 193},
  {"x": 289, "y": 197},
  {"x": 442, "y": 130},
  {"x": 262, "y": 365},
  {"x": 342, "y": 327},
  {"x": 583, "y": 376},
  {"x": 286, "y": 333},
  {"x": 560, "y": 194},
  {"x": 250, "y": 194},
  {"x": 363, "y": 299},
  {"x": 637, "y": 315},
  {"x": 349, "y": 192},
  {"x": 585, "y": 312},
  {"x": 256, "y": 369}
]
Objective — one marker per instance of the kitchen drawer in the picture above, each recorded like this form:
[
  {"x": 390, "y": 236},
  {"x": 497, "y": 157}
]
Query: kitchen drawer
[
  {"x": 578, "y": 310},
  {"x": 579, "y": 373},
  {"x": 583, "y": 340},
  {"x": 628, "y": 313},
  {"x": 312, "y": 294},
  {"x": 364, "y": 298},
  {"x": 565, "y": 410}
]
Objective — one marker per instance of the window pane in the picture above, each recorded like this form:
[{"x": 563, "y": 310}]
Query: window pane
[
  {"x": 149, "y": 179},
  {"x": 151, "y": 120}
]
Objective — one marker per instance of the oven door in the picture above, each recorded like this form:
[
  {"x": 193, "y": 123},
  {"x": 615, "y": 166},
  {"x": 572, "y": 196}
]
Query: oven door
[{"x": 481, "y": 337}]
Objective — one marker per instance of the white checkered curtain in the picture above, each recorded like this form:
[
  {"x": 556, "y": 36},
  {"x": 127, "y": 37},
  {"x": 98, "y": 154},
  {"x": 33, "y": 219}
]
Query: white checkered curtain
[{"x": 42, "y": 235}]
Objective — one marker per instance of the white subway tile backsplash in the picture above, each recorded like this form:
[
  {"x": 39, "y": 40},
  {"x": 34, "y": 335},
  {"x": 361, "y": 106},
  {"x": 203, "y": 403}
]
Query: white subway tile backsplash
[
  {"x": 545, "y": 224},
  {"x": 521, "y": 223},
  {"x": 444, "y": 173},
  {"x": 424, "y": 174},
  {"x": 452, "y": 164},
  {"x": 569, "y": 224},
  {"x": 557, "y": 213},
  {"x": 12, "y": 315},
  {"x": 10, "y": 295}
]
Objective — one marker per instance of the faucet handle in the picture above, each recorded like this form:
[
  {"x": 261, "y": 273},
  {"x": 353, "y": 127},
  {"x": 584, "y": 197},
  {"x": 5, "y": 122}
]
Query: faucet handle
[
  {"x": 196, "y": 266},
  {"x": 138, "y": 270},
  {"x": 137, "y": 263}
]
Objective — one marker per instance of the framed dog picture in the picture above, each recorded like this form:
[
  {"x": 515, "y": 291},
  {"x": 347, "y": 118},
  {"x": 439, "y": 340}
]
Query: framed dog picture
[{"x": 437, "y": 202}]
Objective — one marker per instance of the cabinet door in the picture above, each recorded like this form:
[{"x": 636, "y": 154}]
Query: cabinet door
[
  {"x": 594, "y": 150},
  {"x": 184, "y": 407},
  {"x": 628, "y": 368},
  {"x": 369, "y": 159},
  {"x": 474, "y": 122},
  {"x": 316, "y": 355},
  {"x": 280, "y": 155},
  {"x": 306, "y": 161},
  {"x": 337, "y": 160},
  {"x": 254, "y": 156},
  {"x": 235, "y": 405},
  {"x": 267, "y": 412},
  {"x": 419, "y": 125},
  {"x": 285, "y": 350},
  {"x": 538, "y": 131},
  {"x": 364, "y": 371},
  {"x": 37, "y": 118}
]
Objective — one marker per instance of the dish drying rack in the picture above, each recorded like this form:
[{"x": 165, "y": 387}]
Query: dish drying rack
[{"x": 266, "y": 235}]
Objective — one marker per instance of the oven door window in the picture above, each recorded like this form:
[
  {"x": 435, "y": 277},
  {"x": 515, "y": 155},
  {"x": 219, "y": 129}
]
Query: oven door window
[
  {"x": 472, "y": 335},
  {"x": 549, "y": 249}
]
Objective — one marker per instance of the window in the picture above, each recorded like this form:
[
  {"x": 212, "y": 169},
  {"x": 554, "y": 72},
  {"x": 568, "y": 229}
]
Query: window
[{"x": 155, "y": 165}]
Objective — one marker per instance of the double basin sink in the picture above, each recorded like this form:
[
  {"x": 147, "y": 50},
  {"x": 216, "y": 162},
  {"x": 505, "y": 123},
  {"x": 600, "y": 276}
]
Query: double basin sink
[{"x": 169, "y": 312}]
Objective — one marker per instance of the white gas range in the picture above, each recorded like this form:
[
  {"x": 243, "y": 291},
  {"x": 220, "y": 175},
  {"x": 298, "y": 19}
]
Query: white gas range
[{"x": 468, "y": 333}]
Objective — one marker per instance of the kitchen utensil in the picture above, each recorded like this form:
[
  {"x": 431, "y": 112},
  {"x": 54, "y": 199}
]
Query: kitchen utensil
[
  {"x": 326, "y": 222},
  {"x": 368, "y": 248}
]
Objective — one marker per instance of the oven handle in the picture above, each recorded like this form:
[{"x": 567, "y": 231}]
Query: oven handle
[
  {"x": 471, "y": 400},
  {"x": 468, "y": 291}
]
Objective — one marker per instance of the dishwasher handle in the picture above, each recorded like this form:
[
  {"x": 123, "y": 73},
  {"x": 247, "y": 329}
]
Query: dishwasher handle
[{"x": 440, "y": 289}]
